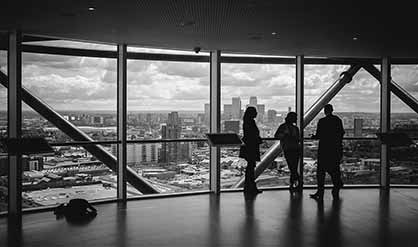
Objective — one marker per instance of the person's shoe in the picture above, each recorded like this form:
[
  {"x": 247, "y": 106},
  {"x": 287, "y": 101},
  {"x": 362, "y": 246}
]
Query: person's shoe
[
  {"x": 291, "y": 188},
  {"x": 259, "y": 191},
  {"x": 317, "y": 196}
]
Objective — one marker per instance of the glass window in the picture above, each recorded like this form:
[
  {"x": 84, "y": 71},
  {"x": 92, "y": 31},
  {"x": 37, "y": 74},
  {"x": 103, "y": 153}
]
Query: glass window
[
  {"x": 404, "y": 159},
  {"x": 358, "y": 106},
  {"x": 170, "y": 167},
  {"x": 71, "y": 172},
  {"x": 271, "y": 89},
  {"x": 166, "y": 100},
  {"x": 4, "y": 164},
  {"x": 80, "y": 89},
  {"x": 318, "y": 78}
]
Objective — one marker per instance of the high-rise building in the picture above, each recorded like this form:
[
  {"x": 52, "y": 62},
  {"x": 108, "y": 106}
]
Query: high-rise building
[
  {"x": 289, "y": 109},
  {"x": 173, "y": 151},
  {"x": 148, "y": 118},
  {"x": 207, "y": 114},
  {"x": 231, "y": 126},
  {"x": 253, "y": 101},
  {"x": 236, "y": 108},
  {"x": 358, "y": 127},
  {"x": 200, "y": 118},
  {"x": 227, "y": 111},
  {"x": 261, "y": 110},
  {"x": 271, "y": 116},
  {"x": 146, "y": 152}
]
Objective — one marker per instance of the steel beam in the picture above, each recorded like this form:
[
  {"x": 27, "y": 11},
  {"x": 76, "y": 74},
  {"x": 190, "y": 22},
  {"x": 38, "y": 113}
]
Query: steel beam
[
  {"x": 215, "y": 119},
  {"x": 122, "y": 105},
  {"x": 274, "y": 150},
  {"x": 43, "y": 49},
  {"x": 77, "y": 135},
  {"x": 14, "y": 124},
  {"x": 345, "y": 78},
  {"x": 299, "y": 109},
  {"x": 385, "y": 121},
  {"x": 397, "y": 90}
]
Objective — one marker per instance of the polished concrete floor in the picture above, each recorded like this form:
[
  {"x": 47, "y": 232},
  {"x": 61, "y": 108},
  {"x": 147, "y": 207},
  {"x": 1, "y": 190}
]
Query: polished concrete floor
[{"x": 363, "y": 217}]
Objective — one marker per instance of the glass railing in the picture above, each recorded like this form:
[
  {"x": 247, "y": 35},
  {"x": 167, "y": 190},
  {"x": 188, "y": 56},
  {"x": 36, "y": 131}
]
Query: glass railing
[
  {"x": 70, "y": 172},
  {"x": 360, "y": 163},
  {"x": 404, "y": 164},
  {"x": 171, "y": 166},
  {"x": 178, "y": 166},
  {"x": 4, "y": 166}
]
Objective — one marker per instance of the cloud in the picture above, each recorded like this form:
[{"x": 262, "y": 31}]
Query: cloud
[
  {"x": 76, "y": 83},
  {"x": 184, "y": 69}
]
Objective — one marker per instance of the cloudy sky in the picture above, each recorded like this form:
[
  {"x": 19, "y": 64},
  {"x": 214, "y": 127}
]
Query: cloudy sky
[{"x": 79, "y": 83}]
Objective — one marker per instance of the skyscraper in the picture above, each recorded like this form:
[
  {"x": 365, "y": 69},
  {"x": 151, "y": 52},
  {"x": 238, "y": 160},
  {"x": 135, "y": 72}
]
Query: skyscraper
[
  {"x": 253, "y": 101},
  {"x": 236, "y": 107},
  {"x": 358, "y": 127},
  {"x": 171, "y": 151},
  {"x": 207, "y": 114},
  {"x": 261, "y": 110},
  {"x": 271, "y": 116},
  {"x": 227, "y": 111}
]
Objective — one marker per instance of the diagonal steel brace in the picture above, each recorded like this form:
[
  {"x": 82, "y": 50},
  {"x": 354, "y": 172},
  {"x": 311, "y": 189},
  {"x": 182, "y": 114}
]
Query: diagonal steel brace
[{"x": 72, "y": 131}]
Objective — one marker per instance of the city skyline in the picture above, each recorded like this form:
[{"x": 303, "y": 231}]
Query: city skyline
[{"x": 78, "y": 82}]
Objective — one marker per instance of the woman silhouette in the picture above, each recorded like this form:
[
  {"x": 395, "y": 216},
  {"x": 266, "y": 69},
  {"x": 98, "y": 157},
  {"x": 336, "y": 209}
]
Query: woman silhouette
[{"x": 250, "y": 151}]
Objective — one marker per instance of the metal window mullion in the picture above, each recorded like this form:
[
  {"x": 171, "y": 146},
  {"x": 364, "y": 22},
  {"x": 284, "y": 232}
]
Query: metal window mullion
[
  {"x": 121, "y": 116},
  {"x": 385, "y": 121},
  {"x": 14, "y": 68},
  {"x": 215, "y": 119},
  {"x": 299, "y": 108}
]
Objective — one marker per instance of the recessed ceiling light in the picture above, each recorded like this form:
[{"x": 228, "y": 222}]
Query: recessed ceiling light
[
  {"x": 91, "y": 8},
  {"x": 274, "y": 33},
  {"x": 355, "y": 38},
  {"x": 187, "y": 23}
]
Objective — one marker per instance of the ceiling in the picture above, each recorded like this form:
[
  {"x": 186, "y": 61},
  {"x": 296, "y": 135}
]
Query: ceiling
[{"x": 274, "y": 27}]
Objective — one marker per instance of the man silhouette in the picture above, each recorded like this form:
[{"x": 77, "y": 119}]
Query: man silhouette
[{"x": 330, "y": 133}]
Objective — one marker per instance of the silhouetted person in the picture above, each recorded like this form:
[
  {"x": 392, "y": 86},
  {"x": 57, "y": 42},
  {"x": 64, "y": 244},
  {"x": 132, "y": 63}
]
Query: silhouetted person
[
  {"x": 288, "y": 133},
  {"x": 250, "y": 151},
  {"x": 330, "y": 133}
]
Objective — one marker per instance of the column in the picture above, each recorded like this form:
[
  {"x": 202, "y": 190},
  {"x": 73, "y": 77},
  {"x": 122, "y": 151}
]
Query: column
[
  {"x": 299, "y": 108},
  {"x": 385, "y": 121},
  {"x": 122, "y": 105},
  {"x": 14, "y": 68},
  {"x": 215, "y": 119}
]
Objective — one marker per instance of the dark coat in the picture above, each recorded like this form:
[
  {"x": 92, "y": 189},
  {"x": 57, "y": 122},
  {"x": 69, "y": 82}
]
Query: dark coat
[
  {"x": 330, "y": 133},
  {"x": 251, "y": 150},
  {"x": 289, "y": 137}
]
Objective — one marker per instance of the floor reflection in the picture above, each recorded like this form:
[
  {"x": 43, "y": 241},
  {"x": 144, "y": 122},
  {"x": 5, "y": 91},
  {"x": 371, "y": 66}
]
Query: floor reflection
[
  {"x": 293, "y": 225},
  {"x": 384, "y": 233},
  {"x": 249, "y": 230},
  {"x": 214, "y": 220},
  {"x": 329, "y": 224},
  {"x": 14, "y": 231}
]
